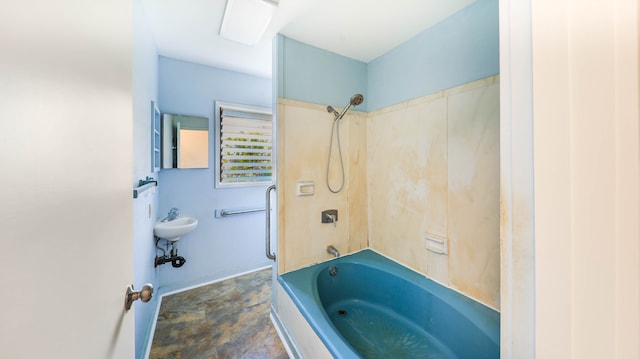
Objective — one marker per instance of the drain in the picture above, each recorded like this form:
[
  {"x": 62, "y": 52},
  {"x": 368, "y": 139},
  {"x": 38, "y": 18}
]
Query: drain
[
  {"x": 342, "y": 312},
  {"x": 333, "y": 270}
]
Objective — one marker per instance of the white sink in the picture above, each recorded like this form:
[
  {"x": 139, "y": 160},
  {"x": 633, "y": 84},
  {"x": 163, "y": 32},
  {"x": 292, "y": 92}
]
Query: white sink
[{"x": 173, "y": 230}]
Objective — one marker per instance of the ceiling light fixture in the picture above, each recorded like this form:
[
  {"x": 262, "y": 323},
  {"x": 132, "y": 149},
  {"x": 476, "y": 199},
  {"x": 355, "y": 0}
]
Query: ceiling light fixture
[{"x": 245, "y": 21}]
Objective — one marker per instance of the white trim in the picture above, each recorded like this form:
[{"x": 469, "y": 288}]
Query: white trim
[
  {"x": 289, "y": 346},
  {"x": 517, "y": 292},
  {"x": 152, "y": 330},
  {"x": 302, "y": 338},
  {"x": 216, "y": 143}
]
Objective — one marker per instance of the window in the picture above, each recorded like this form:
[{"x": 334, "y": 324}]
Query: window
[{"x": 244, "y": 145}]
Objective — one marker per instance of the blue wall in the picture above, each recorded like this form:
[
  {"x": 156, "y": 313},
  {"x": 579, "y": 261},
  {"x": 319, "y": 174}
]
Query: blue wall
[
  {"x": 145, "y": 90},
  {"x": 219, "y": 247},
  {"x": 310, "y": 74},
  {"x": 460, "y": 49}
]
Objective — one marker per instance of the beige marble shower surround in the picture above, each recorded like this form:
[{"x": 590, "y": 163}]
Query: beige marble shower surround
[
  {"x": 304, "y": 131},
  {"x": 429, "y": 166},
  {"x": 433, "y": 168}
]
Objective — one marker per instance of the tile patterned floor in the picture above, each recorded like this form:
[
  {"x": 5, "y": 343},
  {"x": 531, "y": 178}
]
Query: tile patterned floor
[{"x": 224, "y": 320}]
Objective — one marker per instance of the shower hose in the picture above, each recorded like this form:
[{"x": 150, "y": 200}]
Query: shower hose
[{"x": 335, "y": 128}]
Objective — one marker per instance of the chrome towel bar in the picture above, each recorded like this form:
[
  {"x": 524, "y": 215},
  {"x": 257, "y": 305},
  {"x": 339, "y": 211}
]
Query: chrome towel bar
[{"x": 231, "y": 212}]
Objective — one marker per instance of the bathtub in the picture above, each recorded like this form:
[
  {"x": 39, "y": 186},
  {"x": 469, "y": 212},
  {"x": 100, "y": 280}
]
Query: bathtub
[{"x": 365, "y": 305}]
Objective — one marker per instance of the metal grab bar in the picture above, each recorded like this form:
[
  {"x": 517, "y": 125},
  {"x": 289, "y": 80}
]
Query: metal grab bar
[
  {"x": 270, "y": 255},
  {"x": 229, "y": 212}
]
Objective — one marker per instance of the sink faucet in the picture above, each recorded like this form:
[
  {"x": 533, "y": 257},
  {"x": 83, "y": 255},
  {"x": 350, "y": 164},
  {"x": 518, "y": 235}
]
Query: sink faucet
[{"x": 173, "y": 214}]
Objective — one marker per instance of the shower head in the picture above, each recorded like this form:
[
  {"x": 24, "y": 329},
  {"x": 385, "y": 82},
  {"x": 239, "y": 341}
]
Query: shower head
[
  {"x": 332, "y": 110},
  {"x": 355, "y": 100}
]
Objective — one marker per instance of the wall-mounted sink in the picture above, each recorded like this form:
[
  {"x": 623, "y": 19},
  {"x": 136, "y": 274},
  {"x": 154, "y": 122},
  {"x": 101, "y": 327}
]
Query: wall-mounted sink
[{"x": 173, "y": 230}]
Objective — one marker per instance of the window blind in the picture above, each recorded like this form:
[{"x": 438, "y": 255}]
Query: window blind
[{"x": 245, "y": 145}]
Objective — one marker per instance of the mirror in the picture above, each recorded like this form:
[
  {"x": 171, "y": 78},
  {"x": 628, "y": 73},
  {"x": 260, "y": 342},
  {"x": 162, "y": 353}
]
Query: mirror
[{"x": 185, "y": 141}]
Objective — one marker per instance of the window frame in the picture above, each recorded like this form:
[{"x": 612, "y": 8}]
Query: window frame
[{"x": 217, "y": 143}]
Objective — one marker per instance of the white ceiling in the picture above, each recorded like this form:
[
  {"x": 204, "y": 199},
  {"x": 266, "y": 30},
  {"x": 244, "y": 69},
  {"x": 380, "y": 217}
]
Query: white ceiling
[{"x": 359, "y": 29}]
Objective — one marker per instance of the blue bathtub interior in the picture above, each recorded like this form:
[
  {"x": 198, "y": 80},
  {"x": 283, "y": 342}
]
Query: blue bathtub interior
[{"x": 365, "y": 305}]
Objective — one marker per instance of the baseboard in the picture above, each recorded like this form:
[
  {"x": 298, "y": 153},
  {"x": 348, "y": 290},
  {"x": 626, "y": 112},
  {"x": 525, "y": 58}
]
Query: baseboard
[
  {"x": 183, "y": 287},
  {"x": 146, "y": 350}
]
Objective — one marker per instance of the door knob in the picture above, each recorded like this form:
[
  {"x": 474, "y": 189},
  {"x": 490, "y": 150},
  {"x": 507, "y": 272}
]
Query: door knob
[{"x": 131, "y": 295}]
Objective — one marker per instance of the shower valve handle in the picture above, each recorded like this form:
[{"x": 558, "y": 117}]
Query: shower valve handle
[{"x": 330, "y": 216}]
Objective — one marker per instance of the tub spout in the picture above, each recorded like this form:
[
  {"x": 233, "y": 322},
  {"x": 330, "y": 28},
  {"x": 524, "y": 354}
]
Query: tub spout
[{"x": 333, "y": 251}]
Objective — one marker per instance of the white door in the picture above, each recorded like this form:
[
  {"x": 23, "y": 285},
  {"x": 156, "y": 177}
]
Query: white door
[{"x": 65, "y": 179}]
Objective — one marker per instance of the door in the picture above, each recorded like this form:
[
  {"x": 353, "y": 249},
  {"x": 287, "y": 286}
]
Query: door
[{"x": 66, "y": 158}]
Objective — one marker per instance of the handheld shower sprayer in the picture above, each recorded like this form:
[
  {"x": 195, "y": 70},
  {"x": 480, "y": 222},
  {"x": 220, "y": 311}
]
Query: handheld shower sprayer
[
  {"x": 355, "y": 100},
  {"x": 332, "y": 110}
]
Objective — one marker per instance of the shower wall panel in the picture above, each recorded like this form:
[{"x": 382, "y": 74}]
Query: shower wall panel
[
  {"x": 304, "y": 131},
  {"x": 425, "y": 167},
  {"x": 433, "y": 168}
]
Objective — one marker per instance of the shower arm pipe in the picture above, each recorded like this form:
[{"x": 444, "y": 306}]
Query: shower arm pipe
[{"x": 344, "y": 111}]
